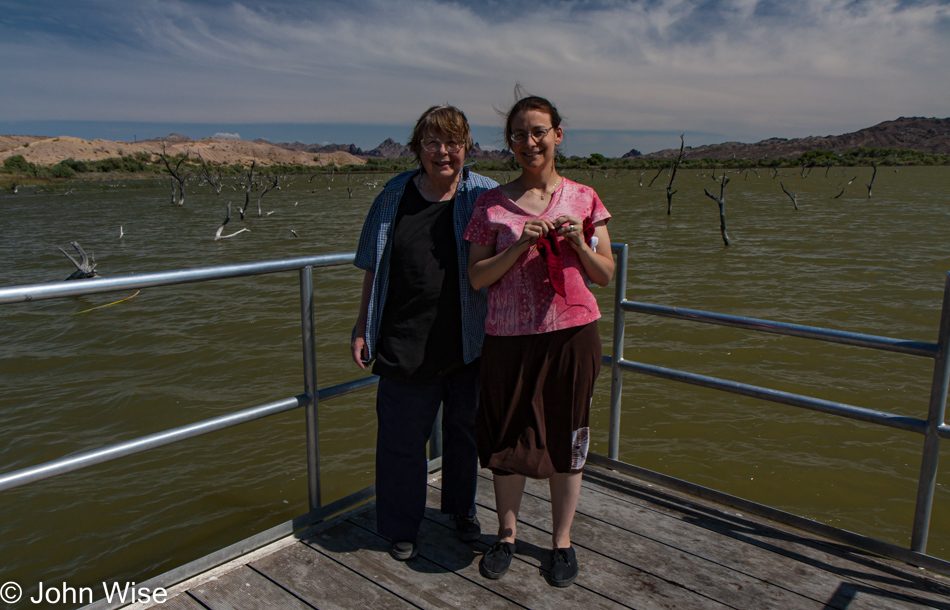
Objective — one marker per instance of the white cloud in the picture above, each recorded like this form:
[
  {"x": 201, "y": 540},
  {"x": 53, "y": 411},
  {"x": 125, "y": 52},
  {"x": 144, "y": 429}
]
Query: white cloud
[
  {"x": 744, "y": 67},
  {"x": 229, "y": 136}
]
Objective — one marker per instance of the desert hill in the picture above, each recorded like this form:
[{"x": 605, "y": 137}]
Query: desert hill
[
  {"x": 49, "y": 151},
  {"x": 928, "y": 135}
]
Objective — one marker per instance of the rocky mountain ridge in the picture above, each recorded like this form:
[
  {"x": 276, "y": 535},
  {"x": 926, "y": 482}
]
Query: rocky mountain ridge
[
  {"x": 388, "y": 149},
  {"x": 923, "y": 134}
]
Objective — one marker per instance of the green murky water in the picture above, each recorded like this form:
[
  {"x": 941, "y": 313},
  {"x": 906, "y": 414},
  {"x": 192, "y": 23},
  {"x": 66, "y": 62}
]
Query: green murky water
[{"x": 172, "y": 356}]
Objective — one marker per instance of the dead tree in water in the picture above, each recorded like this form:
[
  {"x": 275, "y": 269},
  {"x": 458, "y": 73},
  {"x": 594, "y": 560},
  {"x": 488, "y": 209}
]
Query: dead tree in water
[
  {"x": 272, "y": 183},
  {"x": 669, "y": 187},
  {"x": 214, "y": 179},
  {"x": 326, "y": 179},
  {"x": 177, "y": 175},
  {"x": 870, "y": 185},
  {"x": 248, "y": 185},
  {"x": 794, "y": 198},
  {"x": 220, "y": 230},
  {"x": 85, "y": 267},
  {"x": 721, "y": 200},
  {"x": 840, "y": 193}
]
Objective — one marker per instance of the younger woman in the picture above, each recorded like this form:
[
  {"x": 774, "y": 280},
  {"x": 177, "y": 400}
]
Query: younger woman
[{"x": 536, "y": 242}]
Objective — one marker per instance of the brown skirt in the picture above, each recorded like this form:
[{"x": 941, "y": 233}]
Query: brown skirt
[{"x": 534, "y": 411}]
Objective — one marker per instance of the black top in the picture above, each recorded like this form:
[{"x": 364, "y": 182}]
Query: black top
[{"x": 420, "y": 335}]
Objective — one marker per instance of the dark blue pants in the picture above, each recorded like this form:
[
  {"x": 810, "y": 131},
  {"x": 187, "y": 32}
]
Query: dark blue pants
[{"x": 405, "y": 413}]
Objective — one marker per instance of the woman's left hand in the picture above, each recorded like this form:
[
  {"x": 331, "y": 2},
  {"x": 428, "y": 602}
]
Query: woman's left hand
[
  {"x": 598, "y": 262},
  {"x": 571, "y": 229}
]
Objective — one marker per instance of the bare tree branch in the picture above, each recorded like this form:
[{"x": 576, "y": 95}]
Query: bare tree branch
[
  {"x": 794, "y": 198},
  {"x": 248, "y": 185},
  {"x": 85, "y": 267},
  {"x": 669, "y": 187},
  {"x": 220, "y": 230},
  {"x": 272, "y": 183},
  {"x": 721, "y": 200},
  {"x": 214, "y": 179},
  {"x": 177, "y": 175},
  {"x": 870, "y": 185}
]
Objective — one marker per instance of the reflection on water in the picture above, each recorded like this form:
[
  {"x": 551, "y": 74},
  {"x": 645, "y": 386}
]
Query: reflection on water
[{"x": 172, "y": 356}]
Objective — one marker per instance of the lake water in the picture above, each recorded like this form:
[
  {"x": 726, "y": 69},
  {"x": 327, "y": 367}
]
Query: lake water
[{"x": 170, "y": 356}]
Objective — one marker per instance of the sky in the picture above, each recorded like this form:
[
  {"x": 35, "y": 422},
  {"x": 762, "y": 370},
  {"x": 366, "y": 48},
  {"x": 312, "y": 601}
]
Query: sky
[{"x": 625, "y": 74}]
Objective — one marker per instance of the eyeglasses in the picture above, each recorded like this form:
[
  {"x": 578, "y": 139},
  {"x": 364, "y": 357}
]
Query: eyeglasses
[
  {"x": 432, "y": 145},
  {"x": 522, "y": 136}
]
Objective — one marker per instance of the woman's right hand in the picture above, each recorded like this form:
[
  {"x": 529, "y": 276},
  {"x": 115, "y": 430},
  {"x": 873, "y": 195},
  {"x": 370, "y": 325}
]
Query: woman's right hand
[
  {"x": 534, "y": 229},
  {"x": 359, "y": 351}
]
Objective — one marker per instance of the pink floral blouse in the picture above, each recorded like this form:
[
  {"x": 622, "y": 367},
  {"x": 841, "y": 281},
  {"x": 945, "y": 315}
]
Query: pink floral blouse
[{"x": 523, "y": 302}]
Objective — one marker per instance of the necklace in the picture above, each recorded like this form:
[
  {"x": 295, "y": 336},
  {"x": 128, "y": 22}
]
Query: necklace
[{"x": 544, "y": 191}]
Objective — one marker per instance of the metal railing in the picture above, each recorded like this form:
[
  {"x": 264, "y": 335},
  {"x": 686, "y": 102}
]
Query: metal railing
[
  {"x": 932, "y": 428},
  {"x": 309, "y": 399}
]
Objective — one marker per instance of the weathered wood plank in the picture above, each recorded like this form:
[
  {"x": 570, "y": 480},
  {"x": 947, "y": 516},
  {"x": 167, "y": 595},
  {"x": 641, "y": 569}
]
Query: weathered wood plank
[
  {"x": 245, "y": 589},
  {"x": 606, "y": 552},
  {"x": 421, "y": 581},
  {"x": 522, "y": 585},
  {"x": 775, "y": 553},
  {"x": 621, "y": 582},
  {"x": 180, "y": 602},
  {"x": 324, "y": 583},
  {"x": 638, "y": 546}
]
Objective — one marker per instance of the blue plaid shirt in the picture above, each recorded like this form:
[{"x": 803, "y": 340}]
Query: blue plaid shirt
[{"x": 375, "y": 250}]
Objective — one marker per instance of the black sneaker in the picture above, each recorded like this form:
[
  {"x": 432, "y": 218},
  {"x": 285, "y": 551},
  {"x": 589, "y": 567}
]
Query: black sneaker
[
  {"x": 496, "y": 560},
  {"x": 404, "y": 550},
  {"x": 467, "y": 529},
  {"x": 563, "y": 567}
]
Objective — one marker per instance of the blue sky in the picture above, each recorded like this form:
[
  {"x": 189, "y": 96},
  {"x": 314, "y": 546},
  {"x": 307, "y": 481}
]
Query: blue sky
[{"x": 626, "y": 74}]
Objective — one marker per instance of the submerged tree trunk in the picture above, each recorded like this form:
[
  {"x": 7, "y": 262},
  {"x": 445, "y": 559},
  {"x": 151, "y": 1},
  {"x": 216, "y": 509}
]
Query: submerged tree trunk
[
  {"x": 794, "y": 198},
  {"x": 248, "y": 185},
  {"x": 870, "y": 185},
  {"x": 218, "y": 234},
  {"x": 272, "y": 184},
  {"x": 177, "y": 175},
  {"x": 669, "y": 187},
  {"x": 214, "y": 179},
  {"x": 721, "y": 200}
]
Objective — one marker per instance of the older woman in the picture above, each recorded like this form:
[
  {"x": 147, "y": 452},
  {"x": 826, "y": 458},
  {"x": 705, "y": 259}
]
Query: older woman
[
  {"x": 423, "y": 324},
  {"x": 536, "y": 242}
]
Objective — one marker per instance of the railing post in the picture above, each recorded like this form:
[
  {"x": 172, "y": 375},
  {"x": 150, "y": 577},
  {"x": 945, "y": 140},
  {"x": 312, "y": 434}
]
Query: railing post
[
  {"x": 310, "y": 386},
  {"x": 935, "y": 417},
  {"x": 616, "y": 375}
]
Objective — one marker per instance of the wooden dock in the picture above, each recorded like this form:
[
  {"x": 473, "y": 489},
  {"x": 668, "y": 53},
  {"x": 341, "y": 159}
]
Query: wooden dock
[{"x": 638, "y": 546}]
